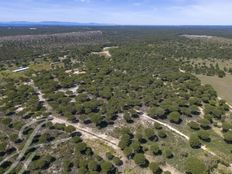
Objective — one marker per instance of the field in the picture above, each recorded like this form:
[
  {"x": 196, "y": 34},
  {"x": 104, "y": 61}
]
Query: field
[{"x": 221, "y": 85}]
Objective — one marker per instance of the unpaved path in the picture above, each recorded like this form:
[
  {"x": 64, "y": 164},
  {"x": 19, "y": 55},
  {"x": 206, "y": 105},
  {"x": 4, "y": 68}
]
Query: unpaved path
[
  {"x": 20, "y": 135},
  {"x": 27, "y": 163},
  {"x": 26, "y": 147},
  {"x": 146, "y": 117}
]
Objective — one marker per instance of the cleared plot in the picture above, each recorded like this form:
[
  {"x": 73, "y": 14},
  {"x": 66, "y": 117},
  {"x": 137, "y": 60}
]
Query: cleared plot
[{"x": 221, "y": 85}]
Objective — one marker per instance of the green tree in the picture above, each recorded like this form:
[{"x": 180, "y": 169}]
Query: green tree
[
  {"x": 168, "y": 153},
  {"x": 155, "y": 149},
  {"x": 124, "y": 141},
  {"x": 93, "y": 165},
  {"x": 162, "y": 134},
  {"x": 194, "y": 141},
  {"x": 81, "y": 147},
  {"x": 107, "y": 167},
  {"x": 204, "y": 135},
  {"x": 194, "y": 125},
  {"x": 228, "y": 137},
  {"x": 140, "y": 160},
  {"x": 175, "y": 117},
  {"x": 154, "y": 167},
  {"x": 117, "y": 161},
  {"x": 156, "y": 112}
]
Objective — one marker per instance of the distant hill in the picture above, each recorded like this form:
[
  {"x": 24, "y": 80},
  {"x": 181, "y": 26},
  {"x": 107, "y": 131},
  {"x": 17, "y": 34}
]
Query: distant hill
[{"x": 49, "y": 23}]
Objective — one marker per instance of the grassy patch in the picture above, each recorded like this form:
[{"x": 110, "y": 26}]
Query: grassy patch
[
  {"x": 221, "y": 85},
  {"x": 41, "y": 66}
]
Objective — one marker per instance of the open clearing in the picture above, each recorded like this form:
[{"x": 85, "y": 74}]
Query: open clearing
[{"x": 221, "y": 85}]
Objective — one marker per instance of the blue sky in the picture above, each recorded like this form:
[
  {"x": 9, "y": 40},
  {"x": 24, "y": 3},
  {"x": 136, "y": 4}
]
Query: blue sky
[{"x": 139, "y": 12}]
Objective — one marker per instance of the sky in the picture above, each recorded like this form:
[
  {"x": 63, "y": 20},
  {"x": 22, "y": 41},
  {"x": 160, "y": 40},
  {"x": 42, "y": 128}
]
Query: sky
[{"x": 124, "y": 12}]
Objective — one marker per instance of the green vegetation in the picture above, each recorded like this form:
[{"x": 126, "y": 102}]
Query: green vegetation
[{"x": 71, "y": 92}]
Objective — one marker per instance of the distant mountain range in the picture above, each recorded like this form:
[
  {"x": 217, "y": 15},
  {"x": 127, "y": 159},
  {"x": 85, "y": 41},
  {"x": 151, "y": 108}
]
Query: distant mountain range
[{"x": 50, "y": 23}]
